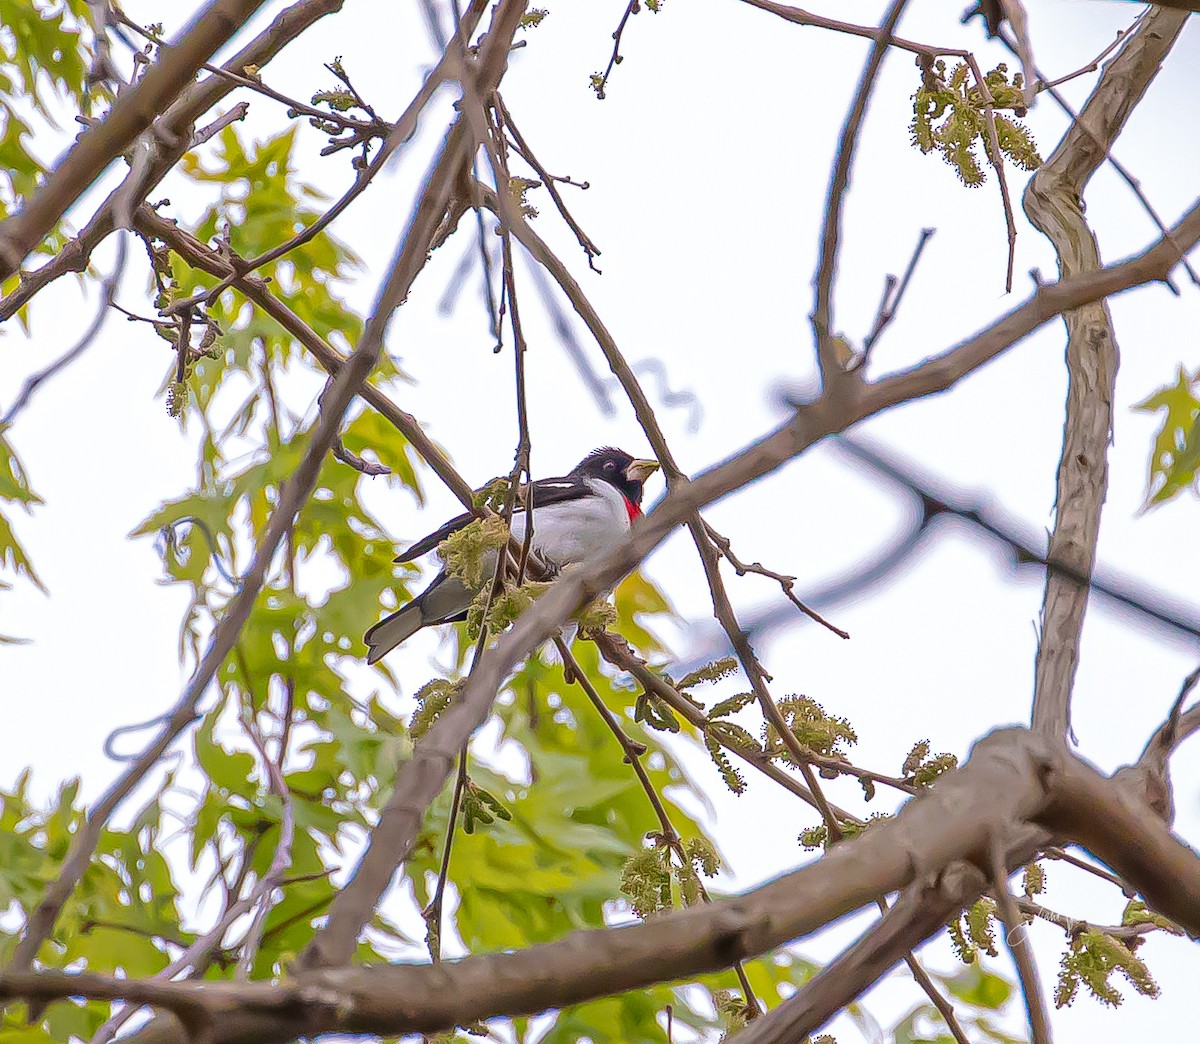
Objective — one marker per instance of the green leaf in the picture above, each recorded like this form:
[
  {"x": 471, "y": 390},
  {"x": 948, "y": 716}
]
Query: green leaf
[
  {"x": 229, "y": 770},
  {"x": 1176, "y": 451},
  {"x": 980, "y": 988}
]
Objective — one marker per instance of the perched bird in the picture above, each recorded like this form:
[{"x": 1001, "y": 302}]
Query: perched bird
[{"x": 574, "y": 517}]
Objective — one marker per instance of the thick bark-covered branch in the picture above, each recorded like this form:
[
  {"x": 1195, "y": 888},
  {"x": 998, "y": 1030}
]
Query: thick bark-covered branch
[
  {"x": 132, "y": 113},
  {"x": 1053, "y": 202},
  {"x": 921, "y": 912},
  {"x": 932, "y": 851}
]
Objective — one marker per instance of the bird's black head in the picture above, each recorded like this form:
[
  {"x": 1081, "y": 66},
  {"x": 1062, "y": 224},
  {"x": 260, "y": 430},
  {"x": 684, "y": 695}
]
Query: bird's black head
[{"x": 619, "y": 469}]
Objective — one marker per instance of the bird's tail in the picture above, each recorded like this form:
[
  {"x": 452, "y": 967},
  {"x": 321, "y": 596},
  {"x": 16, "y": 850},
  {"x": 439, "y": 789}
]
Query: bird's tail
[
  {"x": 446, "y": 599},
  {"x": 392, "y": 630}
]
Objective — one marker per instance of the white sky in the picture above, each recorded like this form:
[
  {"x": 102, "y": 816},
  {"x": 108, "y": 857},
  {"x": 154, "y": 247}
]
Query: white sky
[{"x": 708, "y": 164}]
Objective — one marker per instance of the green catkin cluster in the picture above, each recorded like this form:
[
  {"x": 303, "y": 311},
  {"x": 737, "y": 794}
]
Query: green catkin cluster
[
  {"x": 1092, "y": 959},
  {"x": 921, "y": 768},
  {"x": 950, "y": 118},
  {"x": 432, "y": 699},
  {"x": 973, "y": 930},
  {"x": 815, "y": 730},
  {"x": 469, "y": 552},
  {"x": 651, "y": 877}
]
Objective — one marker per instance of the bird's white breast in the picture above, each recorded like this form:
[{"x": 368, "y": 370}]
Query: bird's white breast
[{"x": 570, "y": 532}]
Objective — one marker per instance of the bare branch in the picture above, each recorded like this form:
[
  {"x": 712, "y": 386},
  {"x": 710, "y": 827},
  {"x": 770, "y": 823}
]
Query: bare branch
[
  {"x": 937, "y": 500},
  {"x": 1019, "y": 946},
  {"x": 831, "y": 230},
  {"x": 1052, "y": 201},
  {"x": 234, "y": 115},
  {"x": 997, "y": 158},
  {"x": 108, "y": 291},
  {"x": 549, "y": 181},
  {"x": 893, "y": 294},
  {"x": 799, "y": 17},
  {"x": 1072, "y": 927},
  {"x": 936, "y": 997},
  {"x": 1178, "y": 727},
  {"x": 786, "y": 583}
]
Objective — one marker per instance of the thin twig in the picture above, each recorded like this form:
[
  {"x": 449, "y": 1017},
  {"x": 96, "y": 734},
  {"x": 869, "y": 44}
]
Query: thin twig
[
  {"x": 495, "y": 145},
  {"x": 600, "y": 82},
  {"x": 548, "y": 180},
  {"x": 936, "y": 997},
  {"x": 375, "y": 127},
  {"x": 1072, "y": 927},
  {"x": 432, "y": 914},
  {"x": 103, "y": 71},
  {"x": 1062, "y": 855},
  {"x": 234, "y": 115},
  {"x": 633, "y": 755},
  {"x": 997, "y": 157},
  {"x": 786, "y": 583},
  {"x": 1040, "y": 84},
  {"x": 1019, "y": 946},
  {"x": 281, "y": 861},
  {"x": 893, "y": 295},
  {"x": 831, "y": 229},
  {"x": 1173, "y": 731},
  {"x": 108, "y": 291}
]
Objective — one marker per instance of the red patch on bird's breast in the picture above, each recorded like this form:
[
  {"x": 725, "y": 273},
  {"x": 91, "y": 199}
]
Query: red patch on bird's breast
[{"x": 633, "y": 510}]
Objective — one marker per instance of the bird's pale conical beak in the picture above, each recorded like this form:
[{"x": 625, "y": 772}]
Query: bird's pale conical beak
[{"x": 640, "y": 470}]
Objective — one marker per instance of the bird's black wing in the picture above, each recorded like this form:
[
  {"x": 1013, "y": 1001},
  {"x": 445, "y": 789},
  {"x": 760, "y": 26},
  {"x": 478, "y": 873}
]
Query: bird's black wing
[
  {"x": 545, "y": 492},
  {"x": 428, "y": 543},
  {"x": 558, "y": 491}
]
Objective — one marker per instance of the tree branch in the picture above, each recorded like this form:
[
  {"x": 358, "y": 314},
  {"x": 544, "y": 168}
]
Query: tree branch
[
  {"x": 131, "y": 114},
  {"x": 174, "y": 127},
  {"x": 932, "y": 851},
  {"x": 407, "y": 263},
  {"x": 1017, "y": 940},
  {"x": 1053, "y": 204},
  {"x": 822, "y": 313}
]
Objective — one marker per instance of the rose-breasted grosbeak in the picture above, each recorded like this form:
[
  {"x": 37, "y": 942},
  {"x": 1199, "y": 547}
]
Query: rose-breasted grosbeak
[{"x": 574, "y": 517}]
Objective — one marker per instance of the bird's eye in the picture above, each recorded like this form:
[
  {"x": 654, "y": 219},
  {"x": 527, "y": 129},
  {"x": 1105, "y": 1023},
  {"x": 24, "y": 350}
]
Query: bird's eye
[{"x": 611, "y": 466}]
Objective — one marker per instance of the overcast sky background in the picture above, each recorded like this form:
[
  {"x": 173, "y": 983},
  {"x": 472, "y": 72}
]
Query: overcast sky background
[{"x": 708, "y": 164}]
